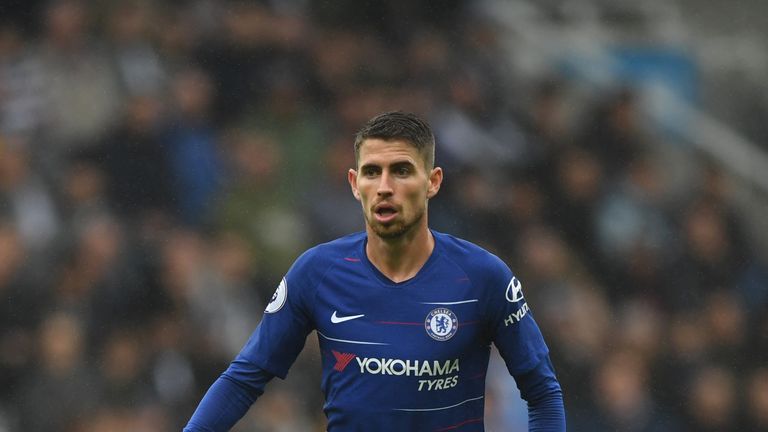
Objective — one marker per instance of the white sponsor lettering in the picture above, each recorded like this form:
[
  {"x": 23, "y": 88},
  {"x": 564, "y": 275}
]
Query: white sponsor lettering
[
  {"x": 384, "y": 366},
  {"x": 515, "y": 317},
  {"x": 401, "y": 370},
  {"x": 411, "y": 369},
  {"x": 438, "y": 384}
]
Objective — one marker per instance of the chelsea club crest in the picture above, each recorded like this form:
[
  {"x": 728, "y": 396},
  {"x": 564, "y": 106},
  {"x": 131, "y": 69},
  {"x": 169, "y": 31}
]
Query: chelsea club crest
[{"x": 441, "y": 324}]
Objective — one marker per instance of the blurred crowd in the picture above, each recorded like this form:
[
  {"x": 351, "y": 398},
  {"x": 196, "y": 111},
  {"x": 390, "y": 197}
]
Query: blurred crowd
[{"x": 163, "y": 163}]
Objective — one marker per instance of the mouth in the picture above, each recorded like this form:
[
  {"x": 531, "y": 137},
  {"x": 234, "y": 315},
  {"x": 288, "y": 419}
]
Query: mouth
[{"x": 384, "y": 212}]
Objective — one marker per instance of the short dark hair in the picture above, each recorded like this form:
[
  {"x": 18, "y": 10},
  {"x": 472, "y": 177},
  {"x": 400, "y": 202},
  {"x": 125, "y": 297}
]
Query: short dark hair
[{"x": 399, "y": 125}]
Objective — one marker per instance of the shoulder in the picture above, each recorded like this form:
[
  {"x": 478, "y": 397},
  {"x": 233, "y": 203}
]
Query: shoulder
[
  {"x": 479, "y": 264},
  {"x": 316, "y": 261}
]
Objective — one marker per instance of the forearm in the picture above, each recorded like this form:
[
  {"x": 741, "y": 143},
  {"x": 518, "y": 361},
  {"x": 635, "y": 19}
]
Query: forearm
[
  {"x": 229, "y": 398},
  {"x": 547, "y": 414},
  {"x": 540, "y": 388}
]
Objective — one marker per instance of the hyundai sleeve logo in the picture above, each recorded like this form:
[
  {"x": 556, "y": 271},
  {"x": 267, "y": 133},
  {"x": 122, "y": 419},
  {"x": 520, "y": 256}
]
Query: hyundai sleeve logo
[{"x": 514, "y": 291}]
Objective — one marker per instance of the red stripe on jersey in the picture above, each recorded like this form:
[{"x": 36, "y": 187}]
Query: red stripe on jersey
[
  {"x": 458, "y": 425},
  {"x": 468, "y": 323}
]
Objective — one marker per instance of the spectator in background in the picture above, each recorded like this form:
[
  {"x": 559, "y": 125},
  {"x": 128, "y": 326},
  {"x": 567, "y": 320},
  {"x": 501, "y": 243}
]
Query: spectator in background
[
  {"x": 257, "y": 44},
  {"x": 523, "y": 205},
  {"x": 615, "y": 132},
  {"x": 175, "y": 367},
  {"x": 178, "y": 36},
  {"x": 22, "y": 83},
  {"x": 301, "y": 132},
  {"x": 427, "y": 55},
  {"x": 548, "y": 123},
  {"x": 579, "y": 184},
  {"x": 83, "y": 191},
  {"x": 20, "y": 311},
  {"x": 26, "y": 199},
  {"x": 61, "y": 374},
  {"x": 280, "y": 412},
  {"x": 334, "y": 214},
  {"x": 193, "y": 150},
  {"x": 121, "y": 361},
  {"x": 476, "y": 132},
  {"x": 756, "y": 383},
  {"x": 81, "y": 91},
  {"x": 138, "y": 65},
  {"x": 712, "y": 401},
  {"x": 99, "y": 280},
  {"x": 687, "y": 349},
  {"x": 222, "y": 300},
  {"x": 712, "y": 259},
  {"x": 622, "y": 401},
  {"x": 476, "y": 200},
  {"x": 135, "y": 158},
  {"x": 254, "y": 206},
  {"x": 725, "y": 321},
  {"x": 717, "y": 190},
  {"x": 634, "y": 232},
  {"x": 574, "y": 312}
]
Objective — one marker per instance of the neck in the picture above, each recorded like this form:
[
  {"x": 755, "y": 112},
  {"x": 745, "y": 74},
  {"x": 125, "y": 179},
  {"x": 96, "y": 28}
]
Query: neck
[{"x": 399, "y": 259}]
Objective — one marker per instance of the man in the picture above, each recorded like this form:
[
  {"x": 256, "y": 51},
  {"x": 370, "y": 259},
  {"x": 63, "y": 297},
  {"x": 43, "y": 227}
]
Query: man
[{"x": 405, "y": 315}]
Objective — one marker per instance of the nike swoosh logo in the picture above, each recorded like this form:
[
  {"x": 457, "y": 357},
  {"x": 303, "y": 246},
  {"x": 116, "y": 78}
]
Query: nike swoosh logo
[{"x": 337, "y": 319}]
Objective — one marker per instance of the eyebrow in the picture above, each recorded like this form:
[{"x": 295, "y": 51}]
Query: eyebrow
[
  {"x": 401, "y": 163},
  {"x": 392, "y": 165}
]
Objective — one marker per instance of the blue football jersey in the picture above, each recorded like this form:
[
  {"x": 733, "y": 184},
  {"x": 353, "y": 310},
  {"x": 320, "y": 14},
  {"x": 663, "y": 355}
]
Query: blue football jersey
[{"x": 409, "y": 356}]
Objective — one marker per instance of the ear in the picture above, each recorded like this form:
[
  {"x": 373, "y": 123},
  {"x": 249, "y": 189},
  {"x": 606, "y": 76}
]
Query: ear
[
  {"x": 352, "y": 178},
  {"x": 435, "y": 180}
]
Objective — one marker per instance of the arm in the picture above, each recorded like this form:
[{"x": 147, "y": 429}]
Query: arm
[
  {"x": 540, "y": 388},
  {"x": 229, "y": 397},
  {"x": 521, "y": 345},
  {"x": 270, "y": 352}
]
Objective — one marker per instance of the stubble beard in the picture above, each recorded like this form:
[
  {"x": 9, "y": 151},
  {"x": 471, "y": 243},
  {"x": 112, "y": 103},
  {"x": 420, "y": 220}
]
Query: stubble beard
[{"x": 398, "y": 229}]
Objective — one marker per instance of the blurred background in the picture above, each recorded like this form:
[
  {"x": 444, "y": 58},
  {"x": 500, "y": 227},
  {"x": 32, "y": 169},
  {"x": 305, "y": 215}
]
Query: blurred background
[{"x": 162, "y": 163}]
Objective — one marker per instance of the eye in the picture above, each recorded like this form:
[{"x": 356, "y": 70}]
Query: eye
[
  {"x": 370, "y": 171},
  {"x": 402, "y": 171}
]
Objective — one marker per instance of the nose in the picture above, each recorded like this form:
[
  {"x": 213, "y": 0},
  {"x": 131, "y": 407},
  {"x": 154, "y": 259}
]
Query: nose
[{"x": 385, "y": 185}]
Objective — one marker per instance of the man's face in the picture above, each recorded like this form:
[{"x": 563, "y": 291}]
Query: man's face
[{"x": 393, "y": 186}]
